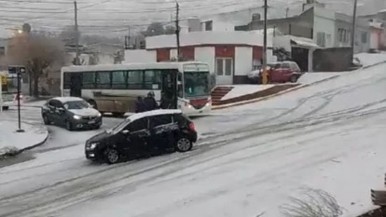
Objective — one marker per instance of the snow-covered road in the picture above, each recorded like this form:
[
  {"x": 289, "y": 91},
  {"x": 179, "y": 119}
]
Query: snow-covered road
[{"x": 250, "y": 160}]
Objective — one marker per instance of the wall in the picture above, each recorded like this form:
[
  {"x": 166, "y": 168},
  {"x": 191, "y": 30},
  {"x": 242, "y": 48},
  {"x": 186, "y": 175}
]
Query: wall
[
  {"x": 324, "y": 22},
  {"x": 132, "y": 56},
  {"x": 205, "y": 38},
  {"x": 301, "y": 26},
  {"x": 206, "y": 54},
  {"x": 243, "y": 64},
  {"x": 332, "y": 59}
]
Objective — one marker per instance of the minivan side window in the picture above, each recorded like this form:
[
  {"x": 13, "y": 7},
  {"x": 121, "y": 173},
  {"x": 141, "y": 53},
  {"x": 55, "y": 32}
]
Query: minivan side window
[
  {"x": 138, "y": 125},
  {"x": 180, "y": 119},
  {"x": 160, "y": 120}
]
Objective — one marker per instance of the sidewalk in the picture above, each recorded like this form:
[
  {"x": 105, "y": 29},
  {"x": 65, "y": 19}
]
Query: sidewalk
[{"x": 12, "y": 143}]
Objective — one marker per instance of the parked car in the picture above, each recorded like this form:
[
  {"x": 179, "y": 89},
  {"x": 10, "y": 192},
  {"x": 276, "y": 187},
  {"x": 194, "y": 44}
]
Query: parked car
[
  {"x": 280, "y": 72},
  {"x": 143, "y": 134},
  {"x": 72, "y": 113}
]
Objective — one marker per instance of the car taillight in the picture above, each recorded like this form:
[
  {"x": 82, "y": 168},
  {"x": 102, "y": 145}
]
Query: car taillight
[{"x": 192, "y": 127}]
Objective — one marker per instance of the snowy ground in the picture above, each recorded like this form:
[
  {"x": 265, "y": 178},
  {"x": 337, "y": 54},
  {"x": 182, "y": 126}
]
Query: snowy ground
[
  {"x": 370, "y": 59},
  {"x": 249, "y": 160},
  {"x": 241, "y": 90},
  {"x": 11, "y": 141}
]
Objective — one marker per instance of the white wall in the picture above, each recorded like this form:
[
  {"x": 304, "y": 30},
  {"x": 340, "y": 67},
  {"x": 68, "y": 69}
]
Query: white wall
[
  {"x": 173, "y": 53},
  {"x": 373, "y": 40},
  {"x": 140, "y": 56},
  {"x": 324, "y": 21},
  {"x": 205, "y": 54},
  {"x": 243, "y": 60},
  {"x": 204, "y": 38}
]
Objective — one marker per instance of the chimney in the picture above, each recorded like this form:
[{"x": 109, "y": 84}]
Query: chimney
[{"x": 256, "y": 17}]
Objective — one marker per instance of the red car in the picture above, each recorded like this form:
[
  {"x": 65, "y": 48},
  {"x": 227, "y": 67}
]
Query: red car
[{"x": 280, "y": 72}]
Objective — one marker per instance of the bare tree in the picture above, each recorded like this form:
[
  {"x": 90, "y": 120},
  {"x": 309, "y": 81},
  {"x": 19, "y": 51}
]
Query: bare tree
[
  {"x": 155, "y": 29},
  {"x": 36, "y": 51},
  {"x": 315, "y": 203}
]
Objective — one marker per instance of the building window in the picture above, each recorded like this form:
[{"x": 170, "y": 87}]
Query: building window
[
  {"x": 224, "y": 66},
  {"x": 321, "y": 39},
  {"x": 209, "y": 25},
  {"x": 364, "y": 37}
]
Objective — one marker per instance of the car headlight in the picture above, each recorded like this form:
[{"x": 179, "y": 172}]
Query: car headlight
[
  {"x": 93, "y": 145},
  {"x": 77, "y": 117},
  {"x": 99, "y": 115}
]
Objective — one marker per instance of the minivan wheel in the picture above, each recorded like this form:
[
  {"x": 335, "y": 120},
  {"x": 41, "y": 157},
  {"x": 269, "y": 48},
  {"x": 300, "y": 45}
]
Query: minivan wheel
[
  {"x": 293, "y": 79},
  {"x": 184, "y": 144},
  {"x": 111, "y": 155},
  {"x": 46, "y": 120},
  {"x": 69, "y": 126}
]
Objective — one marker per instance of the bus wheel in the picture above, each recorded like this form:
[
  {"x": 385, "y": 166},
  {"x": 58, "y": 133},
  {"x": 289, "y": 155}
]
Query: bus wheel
[{"x": 93, "y": 104}]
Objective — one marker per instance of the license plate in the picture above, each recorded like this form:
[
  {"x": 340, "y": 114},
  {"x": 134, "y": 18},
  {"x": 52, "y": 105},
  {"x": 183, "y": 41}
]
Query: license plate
[{"x": 92, "y": 122}]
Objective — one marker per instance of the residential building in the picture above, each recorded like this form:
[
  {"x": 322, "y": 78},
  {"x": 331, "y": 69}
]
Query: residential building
[
  {"x": 343, "y": 33},
  {"x": 230, "y": 55}
]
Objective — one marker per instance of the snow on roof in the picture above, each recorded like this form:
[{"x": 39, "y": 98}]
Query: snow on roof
[
  {"x": 206, "y": 38},
  {"x": 67, "y": 99},
  {"x": 153, "y": 113},
  {"x": 133, "y": 66},
  {"x": 305, "y": 42}
]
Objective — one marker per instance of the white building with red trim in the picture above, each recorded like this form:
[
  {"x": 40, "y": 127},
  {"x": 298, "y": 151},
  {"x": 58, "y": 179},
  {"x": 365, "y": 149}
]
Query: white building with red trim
[{"x": 230, "y": 55}]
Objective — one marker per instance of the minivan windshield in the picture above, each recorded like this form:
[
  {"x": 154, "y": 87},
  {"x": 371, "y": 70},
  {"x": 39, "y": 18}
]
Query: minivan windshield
[
  {"x": 76, "y": 105},
  {"x": 117, "y": 128}
]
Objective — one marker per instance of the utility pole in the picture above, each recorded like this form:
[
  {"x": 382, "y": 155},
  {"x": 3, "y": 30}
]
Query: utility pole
[
  {"x": 354, "y": 16},
  {"x": 265, "y": 80},
  {"x": 178, "y": 30},
  {"x": 77, "y": 62}
]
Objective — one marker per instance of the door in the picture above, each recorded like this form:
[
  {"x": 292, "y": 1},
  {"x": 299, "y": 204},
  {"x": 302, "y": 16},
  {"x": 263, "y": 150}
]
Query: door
[
  {"x": 286, "y": 72},
  {"x": 162, "y": 128},
  {"x": 57, "y": 114},
  {"x": 224, "y": 71},
  {"x": 169, "y": 89},
  {"x": 275, "y": 73},
  {"x": 138, "y": 136},
  {"x": 76, "y": 85}
]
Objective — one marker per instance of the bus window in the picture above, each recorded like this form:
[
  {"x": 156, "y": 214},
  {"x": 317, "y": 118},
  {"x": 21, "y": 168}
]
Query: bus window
[
  {"x": 152, "y": 79},
  {"x": 66, "y": 80},
  {"x": 135, "y": 80},
  {"x": 119, "y": 80},
  {"x": 103, "y": 80},
  {"x": 88, "y": 81}
]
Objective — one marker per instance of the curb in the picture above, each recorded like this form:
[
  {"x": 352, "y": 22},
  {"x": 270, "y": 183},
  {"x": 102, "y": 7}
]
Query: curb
[
  {"x": 19, "y": 151},
  {"x": 288, "y": 90},
  {"x": 273, "y": 95}
]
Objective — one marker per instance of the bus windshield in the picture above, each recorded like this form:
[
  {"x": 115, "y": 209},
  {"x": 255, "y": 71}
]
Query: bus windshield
[{"x": 196, "y": 84}]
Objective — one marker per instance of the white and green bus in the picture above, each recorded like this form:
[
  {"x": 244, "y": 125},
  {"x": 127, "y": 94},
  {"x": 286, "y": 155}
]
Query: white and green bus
[{"x": 115, "y": 88}]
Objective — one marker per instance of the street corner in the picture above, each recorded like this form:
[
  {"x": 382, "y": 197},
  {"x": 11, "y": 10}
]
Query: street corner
[{"x": 13, "y": 142}]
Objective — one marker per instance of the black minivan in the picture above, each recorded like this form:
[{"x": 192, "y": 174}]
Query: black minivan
[{"x": 143, "y": 134}]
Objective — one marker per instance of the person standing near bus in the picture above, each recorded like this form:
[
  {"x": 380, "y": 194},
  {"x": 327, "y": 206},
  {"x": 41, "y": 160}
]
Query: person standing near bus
[
  {"x": 150, "y": 102},
  {"x": 139, "y": 105}
]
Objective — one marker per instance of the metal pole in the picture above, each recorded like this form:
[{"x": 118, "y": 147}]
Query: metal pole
[
  {"x": 178, "y": 30},
  {"x": 19, "y": 130},
  {"x": 265, "y": 81},
  {"x": 1, "y": 93},
  {"x": 77, "y": 62},
  {"x": 354, "y": 16}
]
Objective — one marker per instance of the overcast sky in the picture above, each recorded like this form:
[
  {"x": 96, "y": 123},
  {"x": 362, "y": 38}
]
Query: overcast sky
[{"x": 113, "y": 17}]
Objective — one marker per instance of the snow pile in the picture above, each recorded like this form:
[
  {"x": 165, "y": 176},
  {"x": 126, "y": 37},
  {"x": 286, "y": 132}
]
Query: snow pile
[
  {"x": 368, "y": 59},
  {"x": 11, "y": 142},
  {"x": 241, "y": 90},
  {"x": 311, "y": 77}
]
